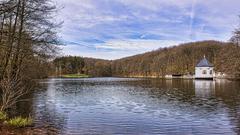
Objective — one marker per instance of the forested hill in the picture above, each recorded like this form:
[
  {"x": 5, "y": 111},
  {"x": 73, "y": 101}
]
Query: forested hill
[{"x": 179, "y": 59}]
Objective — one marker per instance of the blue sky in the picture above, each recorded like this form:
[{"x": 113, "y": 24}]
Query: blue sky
[{"x": 112, "y": 29}]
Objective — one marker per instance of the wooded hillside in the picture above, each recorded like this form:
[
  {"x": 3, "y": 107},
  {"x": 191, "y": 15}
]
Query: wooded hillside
[{"x": 179, "y": 59}]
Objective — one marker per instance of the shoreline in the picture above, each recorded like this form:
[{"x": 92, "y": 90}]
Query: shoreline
[
  {"x": 32, "y": 130},
  {"x": 182, "y": 77},
  {"x": 154, "y": 77}
]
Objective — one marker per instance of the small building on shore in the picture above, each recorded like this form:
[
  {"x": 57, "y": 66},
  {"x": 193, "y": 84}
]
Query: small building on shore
[{"x": 204, "y": 70}]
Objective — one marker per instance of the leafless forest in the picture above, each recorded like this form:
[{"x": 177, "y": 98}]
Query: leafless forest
[
  {"x": 27, "y": 41},
  {"x": 174, "y": 60}
]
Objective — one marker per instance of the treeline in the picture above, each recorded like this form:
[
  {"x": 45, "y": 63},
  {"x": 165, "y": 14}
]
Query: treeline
[
  {"x": 79, "y": 65},
  {"x": 97, "y": 67},
  {"x": 180, "y": 59},
  {"x": 69, "y": 65},
  {"x": 27, "y": 42}
]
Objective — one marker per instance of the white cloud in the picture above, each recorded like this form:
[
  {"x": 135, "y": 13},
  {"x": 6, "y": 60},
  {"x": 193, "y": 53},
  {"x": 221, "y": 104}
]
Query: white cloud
[
  {"x": 76, "y": 50},
  {"x": 137, "y": 45},
  {"x": 156, "y": 5},
  {"x": 124, "y": 25},
  {"x": 115, "y": 49}
]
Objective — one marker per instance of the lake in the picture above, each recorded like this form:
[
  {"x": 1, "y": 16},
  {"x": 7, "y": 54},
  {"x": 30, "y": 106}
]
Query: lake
[{"x": 137, "y": 106}]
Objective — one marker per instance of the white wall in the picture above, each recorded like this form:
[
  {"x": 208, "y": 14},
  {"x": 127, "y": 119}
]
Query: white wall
[{"x": 199, "y": 72}]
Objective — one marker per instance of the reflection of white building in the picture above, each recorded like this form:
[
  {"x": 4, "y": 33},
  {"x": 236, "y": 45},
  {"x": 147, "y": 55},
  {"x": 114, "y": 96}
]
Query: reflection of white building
[
  {"x": 204, "y": 88},
  {"x": 204, "y": 69}
]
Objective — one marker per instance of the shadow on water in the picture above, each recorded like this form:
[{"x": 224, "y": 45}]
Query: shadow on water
[{"x": 137, "y": 106}]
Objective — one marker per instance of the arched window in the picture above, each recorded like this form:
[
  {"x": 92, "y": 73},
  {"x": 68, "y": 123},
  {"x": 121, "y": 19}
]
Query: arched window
[
  {"x": 204, "y": 72},
  {"x": 211, "y": 72}
]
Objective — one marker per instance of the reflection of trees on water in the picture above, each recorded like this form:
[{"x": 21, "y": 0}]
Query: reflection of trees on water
[
  {"x": 229, "y": 92},
  {"x": 45, "y": 108},
  {"x": 199, "y": 93},
  {"x": 204, "y": 88},
  {"x": 177, "y": 93},
  {"x": 203, "y": 99}
]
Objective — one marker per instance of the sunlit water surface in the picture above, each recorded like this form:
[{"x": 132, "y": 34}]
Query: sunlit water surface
[{"x": 137, "y": 106}]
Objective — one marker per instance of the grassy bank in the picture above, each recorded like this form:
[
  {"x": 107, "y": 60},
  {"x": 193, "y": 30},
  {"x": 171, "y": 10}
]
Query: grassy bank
[
  {"x": 22, "y": 126},
  {"x": 75, "y": 76}
]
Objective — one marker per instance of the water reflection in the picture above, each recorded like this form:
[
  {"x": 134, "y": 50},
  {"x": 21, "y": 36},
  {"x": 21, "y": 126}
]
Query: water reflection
[
  {"x": 204, "y": 88},
  {"x": 138, "y": 106}
]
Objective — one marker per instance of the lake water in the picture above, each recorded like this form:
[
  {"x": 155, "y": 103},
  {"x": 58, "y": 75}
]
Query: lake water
[{"x": 137, "y": 106}]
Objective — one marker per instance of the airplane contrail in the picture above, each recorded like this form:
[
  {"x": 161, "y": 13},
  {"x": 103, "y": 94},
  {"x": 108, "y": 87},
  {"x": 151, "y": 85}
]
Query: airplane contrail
[{"x": 192, "y": 16}]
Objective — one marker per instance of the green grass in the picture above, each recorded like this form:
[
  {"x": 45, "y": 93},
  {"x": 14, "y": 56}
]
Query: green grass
[
  {"x": 3, "y": 116},
  {"x": 19, "y": 122},
  {"x": 75, "y": 76}
]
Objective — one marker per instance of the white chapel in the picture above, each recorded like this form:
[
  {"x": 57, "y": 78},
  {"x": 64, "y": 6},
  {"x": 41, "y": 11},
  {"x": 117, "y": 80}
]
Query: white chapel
[{"x": 204, "y": 69}]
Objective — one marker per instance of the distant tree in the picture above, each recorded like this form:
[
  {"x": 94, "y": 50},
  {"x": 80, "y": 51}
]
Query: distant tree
[
  {"x": 98, "y": 67},
  {"x": 236, "y": 36},
  {"x": 228, "y": 60},
  {"x": 69, "y": 64}
]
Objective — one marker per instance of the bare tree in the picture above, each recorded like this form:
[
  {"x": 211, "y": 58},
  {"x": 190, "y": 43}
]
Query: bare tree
[
  {"x": 12, "y": 90},
  {"x": 27, "y": 34},
  {"x": 236, "y": 36}
]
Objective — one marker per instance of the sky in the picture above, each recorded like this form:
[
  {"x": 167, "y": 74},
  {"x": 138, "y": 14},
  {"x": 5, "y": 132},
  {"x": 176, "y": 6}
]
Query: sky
[{"x": 113, "y": 29}]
